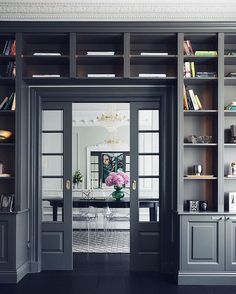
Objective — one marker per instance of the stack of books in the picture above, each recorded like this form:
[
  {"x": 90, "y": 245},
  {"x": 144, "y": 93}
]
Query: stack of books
[
  {"x": 153, "y": 53},
  {"x": 231, "y": 106},
  {"x": 101, "y": 53},
  {"x": 206, "y": 74},
  {"x": 202, "y": 53},
  {"x": 9, "y": 48},
  {"x": 47, "y": 54},
  {"x": 188, "y": 49},
  {"x": 189, "y": 70},
  {"x": 11, "y": 69},
  {"x": 150, "y": 75},
  {"x": 9, "y": 103},
  {"x": 191, "y": 100}
]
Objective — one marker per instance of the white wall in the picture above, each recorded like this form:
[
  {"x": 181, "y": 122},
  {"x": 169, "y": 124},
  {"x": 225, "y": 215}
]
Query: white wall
[{"x": 90, "y": 136}]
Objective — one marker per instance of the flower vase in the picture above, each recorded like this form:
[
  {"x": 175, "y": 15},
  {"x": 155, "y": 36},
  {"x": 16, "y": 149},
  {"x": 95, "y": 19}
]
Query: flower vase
[{"x": 118, "y": 193}]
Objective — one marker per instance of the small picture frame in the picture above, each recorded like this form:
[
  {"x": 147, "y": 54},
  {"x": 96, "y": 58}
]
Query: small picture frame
[
  {"x": 193, "y": 205},
  {"x": 6, "y": 203},
  {"x": 232, "y": 201}
]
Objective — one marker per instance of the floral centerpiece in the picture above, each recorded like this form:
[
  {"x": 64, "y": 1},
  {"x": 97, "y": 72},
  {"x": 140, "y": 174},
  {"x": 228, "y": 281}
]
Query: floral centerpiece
[{"x": 118, "y": 180}]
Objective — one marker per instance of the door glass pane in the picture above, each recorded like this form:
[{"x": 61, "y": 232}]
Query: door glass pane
[
  {"x": 149, "y": 188},
  {"x": 52, "y": 142},
  {"x": 148, "y": 142},
  {"x": 52, "y": 165},
  {"x": 52, "y": 120},
  {"x": 148, "y": 120},
  {"x": 148, "y": 165},
  {"x": 51, "y": 188}
]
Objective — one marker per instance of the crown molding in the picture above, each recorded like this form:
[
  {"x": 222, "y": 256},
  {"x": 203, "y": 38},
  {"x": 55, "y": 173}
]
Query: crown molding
[{"x": 122, "y": 10}]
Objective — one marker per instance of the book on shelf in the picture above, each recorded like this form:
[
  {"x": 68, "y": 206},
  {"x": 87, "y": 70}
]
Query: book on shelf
[
  {"x": 150, "y": 75},
  {"x": 188, "y": 49},
  {"x": 153, "y": 53},
  {"x": 9, "y": 103},
  {"x": 11, "y": 69},
  {"x": 206, "y": 74},
  {"x": 46, "y": 76},
  {"x": 187, "y": 70},
  {"x": 47, "y": 54},
  {"x": 101, "y": 53},
  {"x": 231, "y": 176},
  {"x": 191, "y": 100},
  {"x": 202, "y": 53},
  {"x": 192, "y": 66},
  {"x": 9, "y": 48},
  {"x": 101, "y": 75}
]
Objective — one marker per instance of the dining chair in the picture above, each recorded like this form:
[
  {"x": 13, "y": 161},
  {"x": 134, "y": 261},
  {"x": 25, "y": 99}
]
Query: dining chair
[{"x": 89, "y": 216}]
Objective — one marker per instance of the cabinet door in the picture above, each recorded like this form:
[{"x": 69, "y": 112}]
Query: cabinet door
[
  {"x": 230, "y": 243},
  {"x": 202, "y": 243}
]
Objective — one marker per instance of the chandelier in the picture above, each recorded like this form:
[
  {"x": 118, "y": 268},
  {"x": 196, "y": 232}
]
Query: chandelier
[{"x": 112, "y": 119}]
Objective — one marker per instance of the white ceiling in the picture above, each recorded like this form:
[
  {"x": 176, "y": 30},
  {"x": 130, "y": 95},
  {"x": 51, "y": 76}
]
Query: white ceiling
[{"x": 118, "y": 10}]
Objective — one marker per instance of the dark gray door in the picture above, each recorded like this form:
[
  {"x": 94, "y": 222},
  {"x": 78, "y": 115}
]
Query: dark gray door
[
  {"x": 145, "y": 186},
  {"x": 56, "y": 135}
]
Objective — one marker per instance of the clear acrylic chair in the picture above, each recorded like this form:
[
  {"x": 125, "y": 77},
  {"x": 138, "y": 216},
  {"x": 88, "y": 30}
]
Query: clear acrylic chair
[
  {"x": 111, "y": 216},
  {"x": 89, "y": 216}
]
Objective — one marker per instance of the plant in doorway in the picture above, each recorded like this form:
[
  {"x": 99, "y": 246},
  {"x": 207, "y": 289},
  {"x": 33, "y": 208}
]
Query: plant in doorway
[
  {"x": 118, "y": 180},
  {"x": 77, "y": 179}
]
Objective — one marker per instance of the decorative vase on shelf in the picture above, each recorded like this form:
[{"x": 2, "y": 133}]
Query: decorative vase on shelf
[{"x": 118, "y": 193}]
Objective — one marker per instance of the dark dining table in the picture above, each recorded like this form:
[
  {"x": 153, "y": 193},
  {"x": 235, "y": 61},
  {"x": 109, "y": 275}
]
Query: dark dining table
[{"x": 150, "y": 203}]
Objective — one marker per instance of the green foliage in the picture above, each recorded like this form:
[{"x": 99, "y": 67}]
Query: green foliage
[{"x": 77, "y": 177}]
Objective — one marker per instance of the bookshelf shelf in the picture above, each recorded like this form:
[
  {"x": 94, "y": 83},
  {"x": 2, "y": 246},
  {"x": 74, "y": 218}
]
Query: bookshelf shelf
[
  {"x": 200, "y": 178},
  {"x": 200, "y": 112},
  {"x": 199, "y": 80},
  {"x": 200, "y": 145}
]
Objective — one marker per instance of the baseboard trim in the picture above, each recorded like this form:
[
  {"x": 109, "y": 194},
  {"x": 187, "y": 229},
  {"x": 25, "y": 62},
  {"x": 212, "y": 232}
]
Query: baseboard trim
[
  {"x": 13, "y": 277},
  {"x": 34, "y": 267},
  {"x": 211, "y": 278}
]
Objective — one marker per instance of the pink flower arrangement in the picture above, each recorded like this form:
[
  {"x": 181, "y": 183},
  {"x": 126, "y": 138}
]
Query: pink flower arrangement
[{"x": 118, "y": 179}]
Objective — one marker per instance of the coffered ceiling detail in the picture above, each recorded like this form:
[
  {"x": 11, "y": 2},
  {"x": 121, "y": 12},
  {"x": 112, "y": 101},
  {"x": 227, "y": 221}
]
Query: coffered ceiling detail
[{"x": 118, "y": 10}]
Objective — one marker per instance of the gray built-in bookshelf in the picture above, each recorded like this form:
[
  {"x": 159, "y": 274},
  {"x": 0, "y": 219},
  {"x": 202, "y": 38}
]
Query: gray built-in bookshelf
[{"x": 151, "y": 54}]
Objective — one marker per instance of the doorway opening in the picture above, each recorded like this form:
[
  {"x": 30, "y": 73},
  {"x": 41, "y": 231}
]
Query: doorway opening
[{"x": 101, "y": 177}]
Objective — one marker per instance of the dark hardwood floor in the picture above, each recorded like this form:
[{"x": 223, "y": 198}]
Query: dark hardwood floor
[{"x": 105, "y": 274}]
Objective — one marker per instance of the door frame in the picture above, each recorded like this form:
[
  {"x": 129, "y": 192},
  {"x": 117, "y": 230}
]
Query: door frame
[{"x": 103, "y": 93}]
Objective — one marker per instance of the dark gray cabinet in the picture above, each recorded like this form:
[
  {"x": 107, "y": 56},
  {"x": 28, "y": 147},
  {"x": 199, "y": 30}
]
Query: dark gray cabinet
[
  {"x": 208, "y": 244},
  {"x": 202, "y": 243}
]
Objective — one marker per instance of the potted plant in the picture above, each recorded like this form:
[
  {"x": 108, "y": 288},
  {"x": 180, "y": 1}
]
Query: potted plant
[
  {"x": 77, "y": 178},
  {"x": 118, "y": 180}
]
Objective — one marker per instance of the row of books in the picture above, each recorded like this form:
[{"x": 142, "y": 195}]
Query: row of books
[
  {"x": 188, "y": 50},
  {"x": 191, "y": 100},
  {"x": 9, "y": 48},
  {"x": 231, "y": 106},
  {"x": 190, "y": 71},
  {"x": 11, "y": 69},
  {"x": 9, "y": 103}
]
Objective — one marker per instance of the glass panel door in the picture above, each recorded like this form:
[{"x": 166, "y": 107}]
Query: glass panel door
[
  {"x": 56, "y": 140},
  {"x": 145, "y": 175}
]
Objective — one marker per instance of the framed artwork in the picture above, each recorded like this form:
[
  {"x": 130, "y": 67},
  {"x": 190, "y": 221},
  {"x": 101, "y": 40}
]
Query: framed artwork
[
  {"x": 111, "y": 162},
  {"x": 232, "y": 201},
  {"x": 6, "y": 202}
]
